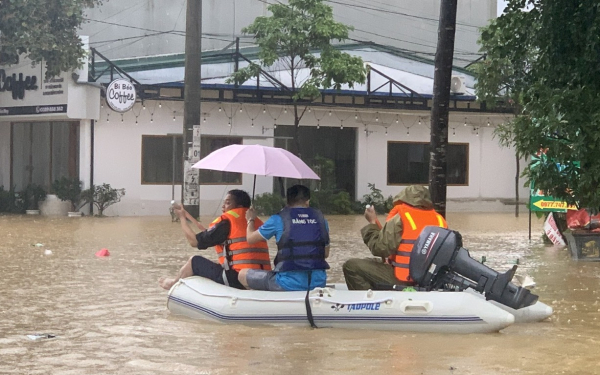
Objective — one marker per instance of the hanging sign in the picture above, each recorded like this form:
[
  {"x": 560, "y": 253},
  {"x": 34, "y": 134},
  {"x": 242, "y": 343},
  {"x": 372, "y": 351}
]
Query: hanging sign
[{"x": 120, "y": 95}]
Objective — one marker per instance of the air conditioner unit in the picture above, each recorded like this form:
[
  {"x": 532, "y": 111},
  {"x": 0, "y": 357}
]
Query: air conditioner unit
[{"x": 457, "y": 85}]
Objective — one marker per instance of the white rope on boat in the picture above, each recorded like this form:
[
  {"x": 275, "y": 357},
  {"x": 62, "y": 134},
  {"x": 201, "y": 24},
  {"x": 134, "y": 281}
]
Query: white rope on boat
[{"x": 300, "y": 299}]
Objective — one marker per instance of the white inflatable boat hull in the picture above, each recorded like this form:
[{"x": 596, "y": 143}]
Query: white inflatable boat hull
[
  {"x": 451, "y": 312},
  {"x": 530, "y": 314}
]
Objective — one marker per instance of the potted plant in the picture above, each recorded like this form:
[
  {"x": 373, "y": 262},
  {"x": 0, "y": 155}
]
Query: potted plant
[
  {"x": 69, "y": 189},
  {"x": 102, "y": 196},
  {"x": 32, "y": 196}
]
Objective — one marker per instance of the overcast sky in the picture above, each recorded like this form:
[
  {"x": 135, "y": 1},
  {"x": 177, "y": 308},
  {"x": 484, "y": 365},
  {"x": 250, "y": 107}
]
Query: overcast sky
[{"x": 501, "y": 5}]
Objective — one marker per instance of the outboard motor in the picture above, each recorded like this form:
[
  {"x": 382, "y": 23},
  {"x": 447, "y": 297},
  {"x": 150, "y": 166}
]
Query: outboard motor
[{"x": 438, "y": 261}]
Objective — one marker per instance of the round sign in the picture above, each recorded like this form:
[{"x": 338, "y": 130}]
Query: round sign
[{"x": 120, "y": 95}]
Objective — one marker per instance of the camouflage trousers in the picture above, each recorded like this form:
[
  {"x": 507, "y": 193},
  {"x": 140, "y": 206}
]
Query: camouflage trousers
[{"x": 363, "y": 274}]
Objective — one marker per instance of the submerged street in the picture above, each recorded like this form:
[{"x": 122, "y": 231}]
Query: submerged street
[{"x": 109, "y": 315}]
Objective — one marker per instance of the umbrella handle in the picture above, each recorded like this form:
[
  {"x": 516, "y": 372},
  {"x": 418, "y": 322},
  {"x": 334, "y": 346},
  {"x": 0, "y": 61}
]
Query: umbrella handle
[{"x": 253, "y": 188}]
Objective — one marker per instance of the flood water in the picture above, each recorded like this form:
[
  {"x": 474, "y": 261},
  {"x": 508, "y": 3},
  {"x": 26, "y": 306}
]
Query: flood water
[{"x": 110, "y": 316}]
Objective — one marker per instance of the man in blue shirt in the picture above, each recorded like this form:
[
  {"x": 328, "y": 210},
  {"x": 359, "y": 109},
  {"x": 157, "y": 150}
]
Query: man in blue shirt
[{"x": 302, "y": 235}]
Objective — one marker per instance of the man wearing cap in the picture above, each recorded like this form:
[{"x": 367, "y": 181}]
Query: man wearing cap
[{"x": 392, "y": 243}]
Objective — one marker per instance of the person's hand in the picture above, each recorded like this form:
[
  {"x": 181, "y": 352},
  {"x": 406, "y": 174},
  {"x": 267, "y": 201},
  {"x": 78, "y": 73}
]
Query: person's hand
[
  {"x": 371, "y": 215},
  {"x": 250, "y": 214},
  {"x": 179, "y": 211}
]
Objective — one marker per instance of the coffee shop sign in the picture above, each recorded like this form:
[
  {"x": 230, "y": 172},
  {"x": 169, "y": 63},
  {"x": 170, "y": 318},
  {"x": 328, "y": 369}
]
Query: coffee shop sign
[{"x": 120, "y": 95}]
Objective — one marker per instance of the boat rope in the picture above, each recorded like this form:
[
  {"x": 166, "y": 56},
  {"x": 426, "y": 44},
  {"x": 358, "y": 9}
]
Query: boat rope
[
  {"x": 309, "y": 314},
  {"x": 298, "y": 299}
]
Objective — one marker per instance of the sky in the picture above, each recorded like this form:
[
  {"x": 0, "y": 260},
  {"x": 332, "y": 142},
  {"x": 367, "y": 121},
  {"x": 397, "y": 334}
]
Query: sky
[{"x": 501, "y": 5}]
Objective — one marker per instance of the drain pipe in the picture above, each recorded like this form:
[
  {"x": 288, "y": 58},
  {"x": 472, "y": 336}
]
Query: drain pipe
[{"x": 92, "y": 163}]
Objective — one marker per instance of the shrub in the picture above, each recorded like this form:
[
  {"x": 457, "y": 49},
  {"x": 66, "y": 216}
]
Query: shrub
[
  {"x": 330, "y": 202},
  {"x": 68, "y": 189},
  {"x": 102, "y": 196},
  {"x": 32, "y": 195},
  {"x": 268, "y": 204},
  {"x": 377, "y": 200}
]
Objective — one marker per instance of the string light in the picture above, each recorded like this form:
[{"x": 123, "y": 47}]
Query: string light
[
  {"x": 151, "y": 117},
  {"x": 204, "y": 120},
  {"x": 136, "y": 121},
  {"x": 102, "y": 105},
  {"x": 143, "y": 106},
  {"x": 108, "y": 114},
  {"x": 396, "y": 119},
  {"x": 386, "y": 131},
  {"x": 488, "y": 123},
  {"x": 274, "y": 126},
  {"x": 228, "y": 121},
  {"x": 465, "y": 121},
  {"x": 159, "y": 105},
  {"x": 121, "y": 117},
  {"x": 309, "y": 110},
  {"x": 318, "y": 124},
  {"x": 220, "y": 109},
  {"x": 329, "y": 113},
  {"x": 377, "y": 117},
  {"x": 453, "y": 131},
  {"x": 252, "y": 123},
  {"x": 284, "y": 109},
  {"x": 356, "y": 116},
  {"x": 240, "y": 109},
  {"x": 173, "y": 115},
  {"x": 264, "y": 109},
  {"x": 408, "y": 131},
  {"x": 419, "y": 121},
  {"x": 341, "y": 124}
]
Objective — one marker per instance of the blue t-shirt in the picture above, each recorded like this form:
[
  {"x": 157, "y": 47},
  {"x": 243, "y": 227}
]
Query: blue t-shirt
[{"x": 291, "y": 280}]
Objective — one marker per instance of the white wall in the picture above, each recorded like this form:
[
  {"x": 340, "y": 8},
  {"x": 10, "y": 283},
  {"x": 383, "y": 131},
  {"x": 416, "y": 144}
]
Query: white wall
[
  {"x": 5, "y": 155},
  {"x": 117, "y": 158}
]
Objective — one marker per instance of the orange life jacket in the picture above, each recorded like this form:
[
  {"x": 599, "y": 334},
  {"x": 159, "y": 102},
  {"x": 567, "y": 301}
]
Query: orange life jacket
[
  {"x": 413, "y": 221},
  {"x": 239, "y": 253}
]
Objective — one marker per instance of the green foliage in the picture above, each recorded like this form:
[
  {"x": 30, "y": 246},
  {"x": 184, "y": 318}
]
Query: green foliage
[
  {"x": 547, "y": 61},
  {"x": 268, "y": 204},
  {"x": 43, "y": 30},
  {"x": 290, "y": 36},
  {"x": 68, "y": 189},
  {"x": 325, "y": 168},
  {"x": 333, "y": 203},
  {"x": 102, "y": 196},
  {"x": 10, "y": 201},
  {"x": 376, "y": 199},
  {"x": 32, "y": 195}
]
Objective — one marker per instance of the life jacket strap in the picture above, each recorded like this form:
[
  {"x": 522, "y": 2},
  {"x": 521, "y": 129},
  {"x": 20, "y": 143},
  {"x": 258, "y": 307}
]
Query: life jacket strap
[
  {"x": 245, "y": 251},
  {"x": 250, "y": 261},
  {"x": 403, "y": 253},
  {"x": 235, "y": 240},
  {"x": 409, "y": 242},
  {"x": 399, "y": 265}
]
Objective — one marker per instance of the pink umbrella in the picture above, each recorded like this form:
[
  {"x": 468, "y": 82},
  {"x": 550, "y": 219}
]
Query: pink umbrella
[{"x": 257, "y": 160}]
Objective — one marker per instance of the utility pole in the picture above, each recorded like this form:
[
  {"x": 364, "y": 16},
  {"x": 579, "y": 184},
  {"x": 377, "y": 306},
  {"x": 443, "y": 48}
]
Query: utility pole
[
  {"x": 441, "y": 100},
  {"x": 191, "y": 107}
]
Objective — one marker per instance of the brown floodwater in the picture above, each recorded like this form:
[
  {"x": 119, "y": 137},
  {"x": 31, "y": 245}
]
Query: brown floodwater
[{"x": 110, "y": 316}]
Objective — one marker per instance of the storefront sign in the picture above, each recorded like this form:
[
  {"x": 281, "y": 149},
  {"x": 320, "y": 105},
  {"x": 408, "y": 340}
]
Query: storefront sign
[
  {"x": 17, "y": 84},
  {"x": 33, "y": 110},
  {"x": 120, "y": 95}
]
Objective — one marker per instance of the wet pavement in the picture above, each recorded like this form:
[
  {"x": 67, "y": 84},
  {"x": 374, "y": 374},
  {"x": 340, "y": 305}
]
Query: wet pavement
[{"x": 109, "y": 314}]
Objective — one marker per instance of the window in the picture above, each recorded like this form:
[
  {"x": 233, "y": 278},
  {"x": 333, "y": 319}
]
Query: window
[
  {"x": 161, "y": 156},
  {"x": 42, "y": 152},
  {"x": 408, "y": 163},
  {"x": 209, "y": 144}
]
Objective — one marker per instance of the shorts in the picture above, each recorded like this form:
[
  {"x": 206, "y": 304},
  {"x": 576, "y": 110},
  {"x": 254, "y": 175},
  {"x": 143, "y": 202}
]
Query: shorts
[
  {"x": 215, "y": 272},
  {"x": 263, "y": 280}
]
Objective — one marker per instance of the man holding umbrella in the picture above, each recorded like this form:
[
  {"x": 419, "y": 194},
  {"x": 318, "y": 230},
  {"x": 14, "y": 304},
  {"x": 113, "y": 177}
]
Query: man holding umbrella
[
  {"x": 302, "y": 235},
  {"x": 227, "y": 234}
]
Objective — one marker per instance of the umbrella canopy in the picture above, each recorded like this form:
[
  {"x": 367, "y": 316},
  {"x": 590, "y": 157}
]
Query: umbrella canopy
[{"x": 257, "y": 160}]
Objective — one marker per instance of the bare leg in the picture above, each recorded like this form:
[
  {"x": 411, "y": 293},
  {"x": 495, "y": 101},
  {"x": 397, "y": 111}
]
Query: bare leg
[
  {"x": 185, "y": 271},
  {"x": 242, "y": 277}
]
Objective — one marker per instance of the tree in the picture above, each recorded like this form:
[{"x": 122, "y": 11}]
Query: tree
[
  {"x": 43, "y": 30},
  {"x": 102, "y": 196},
  {"x": 545, "y": 61},
  {"x": 292, "y": 36}
]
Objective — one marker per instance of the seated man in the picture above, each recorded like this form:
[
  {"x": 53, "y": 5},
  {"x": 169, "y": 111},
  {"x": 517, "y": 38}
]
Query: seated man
[
  {"x": 228, "y": 234},
  {"x": 413, "y": 210},
  {"x": 302, "y": 236}
]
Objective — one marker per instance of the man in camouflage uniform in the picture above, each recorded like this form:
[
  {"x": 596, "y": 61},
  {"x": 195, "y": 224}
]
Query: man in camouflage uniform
[{"x": 383, "y": 242}]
